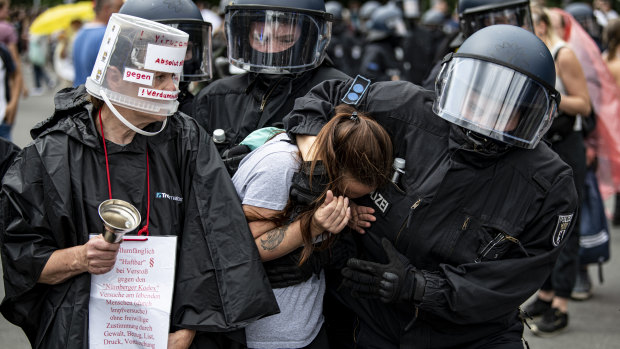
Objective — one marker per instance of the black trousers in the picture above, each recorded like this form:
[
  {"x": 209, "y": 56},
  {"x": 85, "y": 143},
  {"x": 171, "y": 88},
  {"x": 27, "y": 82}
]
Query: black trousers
[{"x": 562, "y": 279}]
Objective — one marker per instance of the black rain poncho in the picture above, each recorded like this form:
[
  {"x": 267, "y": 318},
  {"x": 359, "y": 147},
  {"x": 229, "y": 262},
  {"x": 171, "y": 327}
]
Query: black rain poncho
[{"x": 50, "y": 197}]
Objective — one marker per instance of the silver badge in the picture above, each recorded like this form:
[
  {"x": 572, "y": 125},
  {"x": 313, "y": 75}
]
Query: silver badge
[{"x": 561, "y": 228}]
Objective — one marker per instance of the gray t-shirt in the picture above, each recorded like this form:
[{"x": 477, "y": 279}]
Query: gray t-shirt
[{"x": 263, "y": 180}]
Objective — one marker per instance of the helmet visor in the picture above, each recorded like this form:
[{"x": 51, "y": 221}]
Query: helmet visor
[
  {"x": 494, "y": 101},
  {"x": 197, "y": 65},
  {"x": 515, "y": 15},
  {"x": 276, "y": 42}
]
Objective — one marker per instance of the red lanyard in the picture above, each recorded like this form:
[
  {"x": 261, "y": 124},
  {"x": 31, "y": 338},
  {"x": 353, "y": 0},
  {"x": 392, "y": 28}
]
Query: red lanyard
[{"x": 145, "y": 228}]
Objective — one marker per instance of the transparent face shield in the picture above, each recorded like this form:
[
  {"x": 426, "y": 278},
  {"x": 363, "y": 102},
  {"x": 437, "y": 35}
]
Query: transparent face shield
[
  {"x": 139, "y": 65},
  {"x": 197, "y": 64},
  {"x": 518, "y": 15},
  {"x": 276, "y": 42},
  {"x": 494, "y": 101}
]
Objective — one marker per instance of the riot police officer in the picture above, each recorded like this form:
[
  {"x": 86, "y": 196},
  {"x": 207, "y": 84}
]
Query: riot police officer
[
  {"x": 184, "y": 16},
  {"x": 482, "y": 210},
  {"x": 344, "y": 47},
  {"x": 282, "y": 48},
  {"x": 477, "y": 14},
  {"x": 383, "y": 53},
  {"x": 584, "y": 14}
]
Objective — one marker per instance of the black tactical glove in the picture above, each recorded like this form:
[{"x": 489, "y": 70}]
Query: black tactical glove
[
  {"x": 233, "y": 156},
  {"x": 396, "y": 281},
  {"x": 286, "y": 271}
]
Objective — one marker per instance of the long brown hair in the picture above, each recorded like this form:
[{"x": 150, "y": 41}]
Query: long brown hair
[
  {"x": 611, "y": 37},
  {"x": 350, "y": 145}
]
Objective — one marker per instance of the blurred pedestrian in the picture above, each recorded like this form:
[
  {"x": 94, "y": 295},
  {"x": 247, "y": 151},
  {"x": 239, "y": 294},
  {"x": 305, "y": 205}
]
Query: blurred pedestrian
[
  {"x": 88, "y": 39},
  {"x": 566, "y": 138},
  {"x": 611, "y": 38},
  {"x": 9, "y": 37},
  {"x": 604, "y": 12},
  {"x": 63, "y": 54},
  {"x": 8, "y": 80},
  {"x": 38, "y": 49}
]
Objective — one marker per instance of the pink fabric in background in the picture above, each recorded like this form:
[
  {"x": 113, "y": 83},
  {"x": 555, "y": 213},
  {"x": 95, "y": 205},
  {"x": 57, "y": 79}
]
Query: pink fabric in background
[{"x": 605, "y": 97}]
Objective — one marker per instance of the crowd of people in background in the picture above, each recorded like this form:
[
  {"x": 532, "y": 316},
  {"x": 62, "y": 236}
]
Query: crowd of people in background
[{"x": 232, "y": 85}]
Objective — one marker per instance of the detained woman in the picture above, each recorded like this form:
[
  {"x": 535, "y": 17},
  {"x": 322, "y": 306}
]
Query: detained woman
[{"x": 349, "y": 158}]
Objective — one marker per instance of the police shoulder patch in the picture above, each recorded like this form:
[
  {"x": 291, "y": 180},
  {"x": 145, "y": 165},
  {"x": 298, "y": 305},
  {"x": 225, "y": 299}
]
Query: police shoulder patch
[
  {"x": 561, "y": 229},
  {"x": 380, "y": 201}
]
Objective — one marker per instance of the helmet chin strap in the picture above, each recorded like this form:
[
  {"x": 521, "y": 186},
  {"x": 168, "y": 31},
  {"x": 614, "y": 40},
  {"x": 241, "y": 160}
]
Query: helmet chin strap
[{"x": 126, "y": 122}]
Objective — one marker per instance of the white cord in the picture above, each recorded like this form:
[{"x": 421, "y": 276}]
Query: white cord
[{"x": 125, "y": 121}]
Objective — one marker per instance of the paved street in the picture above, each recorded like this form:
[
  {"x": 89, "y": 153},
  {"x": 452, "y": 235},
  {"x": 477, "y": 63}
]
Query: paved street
[{"x": 594, "y": 324}]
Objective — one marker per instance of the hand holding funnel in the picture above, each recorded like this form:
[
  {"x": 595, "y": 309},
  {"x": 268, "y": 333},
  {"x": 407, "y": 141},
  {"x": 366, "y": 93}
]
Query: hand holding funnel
[{"x": 119, "y": 217}]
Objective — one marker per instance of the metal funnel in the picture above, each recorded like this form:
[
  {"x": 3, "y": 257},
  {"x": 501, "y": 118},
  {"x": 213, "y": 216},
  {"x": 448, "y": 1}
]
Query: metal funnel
[{"x": 119, "y": 217}]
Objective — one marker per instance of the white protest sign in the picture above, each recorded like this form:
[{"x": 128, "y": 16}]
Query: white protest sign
[
  {"x": 130, "y": 305},
  {"x": 138, "y": 76},
  {"x": 164, "y": 58},
  {"x": 158, "y": 94}
]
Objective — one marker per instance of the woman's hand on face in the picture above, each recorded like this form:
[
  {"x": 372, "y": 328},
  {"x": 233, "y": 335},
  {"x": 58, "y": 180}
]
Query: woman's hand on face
[
  {"x": 361, "y": 216},
  {"x": 332, "y": 216},
  {"x": 99, "y": 256}
]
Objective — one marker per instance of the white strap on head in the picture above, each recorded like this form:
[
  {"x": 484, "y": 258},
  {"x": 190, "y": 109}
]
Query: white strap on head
[{"x": 125, "y": 121}]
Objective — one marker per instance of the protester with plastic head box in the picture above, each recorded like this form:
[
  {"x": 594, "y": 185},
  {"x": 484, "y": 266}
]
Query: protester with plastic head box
[
  {"x": 186, "y": 17},
  {"x": 281, "y": 46},
  {"x": 477, "y": 220},
  {"x": 120, "y": 137}
]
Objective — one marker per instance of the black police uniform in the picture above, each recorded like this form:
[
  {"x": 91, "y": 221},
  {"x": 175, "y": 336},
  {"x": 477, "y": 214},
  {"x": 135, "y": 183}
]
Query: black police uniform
[
  {"x": 484, "y": 227},
  {"x": 380, "y": 61},
  {"x": 244, "y": 103}
]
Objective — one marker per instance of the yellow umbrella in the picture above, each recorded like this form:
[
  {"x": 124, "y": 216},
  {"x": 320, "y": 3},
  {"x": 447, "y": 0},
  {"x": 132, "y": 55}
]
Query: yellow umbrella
[{"x": 59, "y": 17}]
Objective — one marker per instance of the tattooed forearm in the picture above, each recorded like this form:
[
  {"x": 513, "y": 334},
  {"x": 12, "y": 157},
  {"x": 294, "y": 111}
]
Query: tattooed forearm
[{"x": 273, "y": 238}]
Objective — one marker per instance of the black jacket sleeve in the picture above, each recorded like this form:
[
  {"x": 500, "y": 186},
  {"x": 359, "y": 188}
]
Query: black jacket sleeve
[
  {"x": 479, "y": 292},
  {"x": 220, "y": 283}
]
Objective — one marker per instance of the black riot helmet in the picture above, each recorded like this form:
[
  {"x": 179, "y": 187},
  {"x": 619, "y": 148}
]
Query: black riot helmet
[
  {"x": 584, "y": 14},
  {"x": 277, "y": 36},
  {"x": 367, "y": 9},
  {"x": 386, "y": 21},
  {"x": 335, "y": 8},
  {"x": 183, "y": 15},
  {"x": 500, "y": 84},
  {"x": 477, "y": 14}
]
